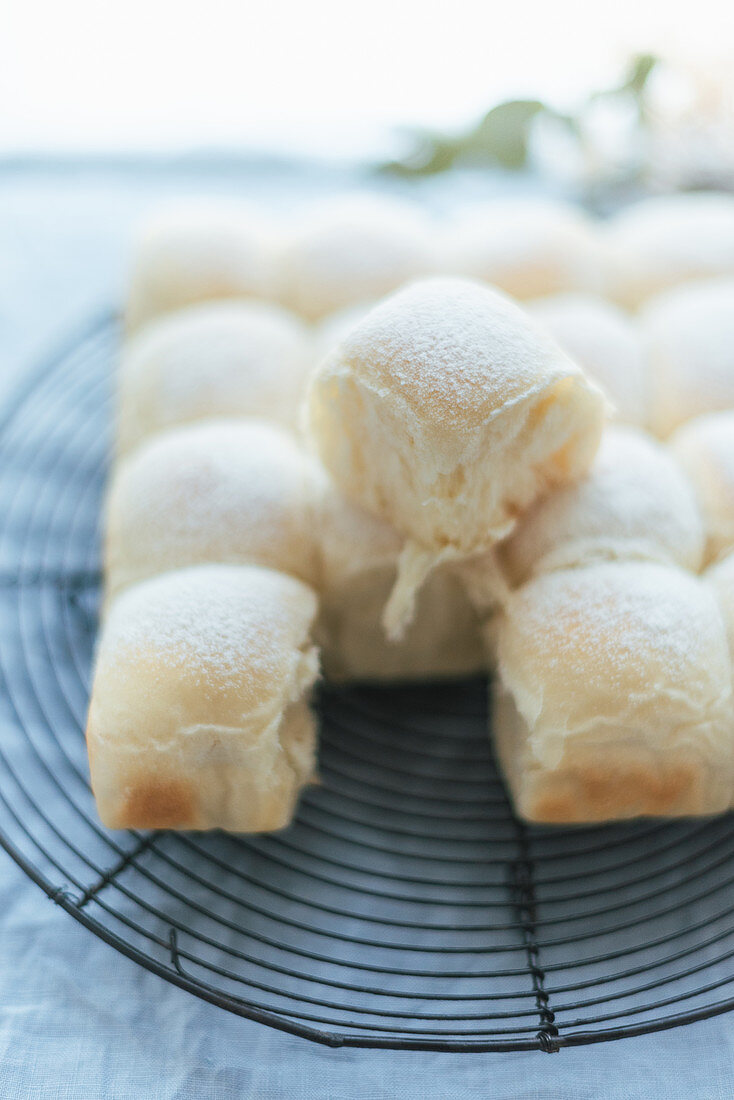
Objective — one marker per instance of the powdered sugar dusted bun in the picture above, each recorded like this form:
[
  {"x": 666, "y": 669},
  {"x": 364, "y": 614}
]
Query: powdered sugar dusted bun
[
  {"x": 527, "y": 247},
  {"x": 615, "y": 695},
  {"x": 605, "y": 341},
  {"x": 635, "y": 502},
  {"x": 721, "y": 578},
  {"x": 359, "y": 555},
  {"x": 663, "y": 241},
  {"x": 218, "y": 359},
  {"x": 353, "y": 251},
  {"x": 705, "y": 449},
  {"x": 232, "y": 491},
  {"x": 198, "y": 717},
  {"x": 689, "y": 334},
  {"x": 198, "y": 251},
  {"x": 445, "y": 413}
]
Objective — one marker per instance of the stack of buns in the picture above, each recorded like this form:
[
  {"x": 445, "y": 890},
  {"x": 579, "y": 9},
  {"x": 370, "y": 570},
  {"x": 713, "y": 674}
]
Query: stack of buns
[{"x": 345, "y": 450}]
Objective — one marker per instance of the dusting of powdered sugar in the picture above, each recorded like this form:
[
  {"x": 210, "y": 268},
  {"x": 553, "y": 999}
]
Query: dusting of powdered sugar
[
  {"x": 455, "y": 351},
  {"x": 613, "y": 625},
  {"x": 215, "y": 359},
  {"x": 192, "y": 250},
  {"x": 354, "y": 250},
  {"x": 228, "y": 491},
  {"x": 222, "y": 623},
  {"x": 634, "y": 502},
  {"x": 527, "y": 246},
  {"x": 604, "y": 340}
]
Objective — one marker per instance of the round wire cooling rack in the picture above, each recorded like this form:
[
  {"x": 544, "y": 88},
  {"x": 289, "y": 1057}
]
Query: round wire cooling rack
[{"x": 406, "y": 907}]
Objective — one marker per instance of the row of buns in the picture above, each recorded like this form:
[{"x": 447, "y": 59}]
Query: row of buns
[
  {"x": 358, "y": 250},
  {"x": 446, "y": 472},
  {"x": 659, "y": 368}
]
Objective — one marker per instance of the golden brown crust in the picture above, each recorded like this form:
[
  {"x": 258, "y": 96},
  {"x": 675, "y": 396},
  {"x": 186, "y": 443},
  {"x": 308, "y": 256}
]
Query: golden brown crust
[
  {"x": 606, "y": 790},
  {"x": 160, "y": 803}
]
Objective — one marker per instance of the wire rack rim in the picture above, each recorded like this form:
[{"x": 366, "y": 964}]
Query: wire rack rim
[
  {"x": 62, "y": 373},
  {"x": 241, "y": 1007}
]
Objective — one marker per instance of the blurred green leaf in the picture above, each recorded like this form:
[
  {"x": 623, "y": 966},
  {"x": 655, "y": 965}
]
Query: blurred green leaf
[
  {"x": 501, "y": 137},
  {"x": 642, "y": 67},
  {"x": 635, "y": 81}
]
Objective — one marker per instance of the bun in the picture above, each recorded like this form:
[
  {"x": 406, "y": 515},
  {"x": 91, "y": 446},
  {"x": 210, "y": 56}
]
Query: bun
[
  {"x": 721, "y": 578},
  {"x": 219, "y": 359},
  {"x": 333, "y": 328},
  {"x": 689, "y": 334},
  {"x": 351, "y": 252},
  {"x": 445, "y": 413},
  {"x": 663, "y": 241},
  {"x": 603, "y": 340},
  {"x": 633, "y": 503},
  {"x": 237, "y": 492},
  {"x": 705, "y": 449},
  {"x": 527, "y": 247},
  {"x": 195, "y": 252},
  {"x": 615, "y": 696},
  {"x": 198, "y": 717}
]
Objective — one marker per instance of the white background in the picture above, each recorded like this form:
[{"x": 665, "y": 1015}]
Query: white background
[{"x": 326, "y": 76}]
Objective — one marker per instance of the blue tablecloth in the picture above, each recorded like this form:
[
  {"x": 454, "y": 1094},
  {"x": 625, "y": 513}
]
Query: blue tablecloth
[{"x": 78, "y": 1020}]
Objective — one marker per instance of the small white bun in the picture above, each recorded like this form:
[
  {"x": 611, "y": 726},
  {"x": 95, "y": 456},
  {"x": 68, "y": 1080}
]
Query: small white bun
[
  {"x": 198, "y": 717},
  {"x": 198, "y": 251},
  {"x": 721, "y": 578},
  {"x": 359, "y": 556},
  {"x": 333, "y": 328},
  {"x": 663, "y": 241},
  {"x": 217, "y": 359},
  {"x": 353, "y": 251},
  {"x": 528, "y": 247},
  {"x": 606, "y": 342},
  {"x": 705, "y": 449},
  {"x": 446, "y": 413},
  {"x": 635, "y": 502},
  {"x": 239, "y": 492},
  {"x": 615, "y": 696},
  {"x": 689, "y": 337}
]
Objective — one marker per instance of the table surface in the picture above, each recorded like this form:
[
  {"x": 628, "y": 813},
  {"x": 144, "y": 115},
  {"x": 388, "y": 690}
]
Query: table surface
[{"x": 79, "y": 1020}]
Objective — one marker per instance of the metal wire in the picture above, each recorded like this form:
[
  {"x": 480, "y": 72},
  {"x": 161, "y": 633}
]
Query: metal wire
[{"x": 406, "y": 907}]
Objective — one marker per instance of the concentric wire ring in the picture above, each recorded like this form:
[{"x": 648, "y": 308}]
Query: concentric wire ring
[{"x": 406, "y": 907}]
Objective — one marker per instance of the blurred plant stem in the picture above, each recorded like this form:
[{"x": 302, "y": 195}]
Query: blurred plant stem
[{"x": 503, "y": 137}]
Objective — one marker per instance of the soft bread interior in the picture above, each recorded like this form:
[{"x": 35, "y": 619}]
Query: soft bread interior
[
  {"x": 359, "y": 560},
  {"x": 443, "y": 640}
]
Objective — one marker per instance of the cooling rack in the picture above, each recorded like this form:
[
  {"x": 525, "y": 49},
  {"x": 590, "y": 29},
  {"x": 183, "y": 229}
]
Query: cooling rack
[{"x": 406, "y": 907}]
